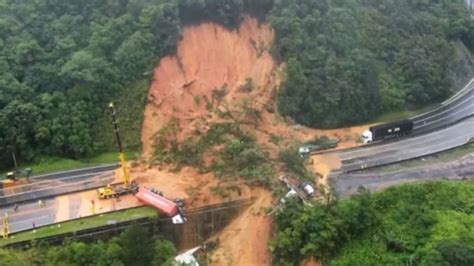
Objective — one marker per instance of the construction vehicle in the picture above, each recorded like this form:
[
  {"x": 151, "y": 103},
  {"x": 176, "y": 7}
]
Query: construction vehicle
[
  {"x": 127, "y": 186},
  {"x": 387, "y": 131},
  {"x": 117, "y": 190},
  {"x": 15, "y": 178}
]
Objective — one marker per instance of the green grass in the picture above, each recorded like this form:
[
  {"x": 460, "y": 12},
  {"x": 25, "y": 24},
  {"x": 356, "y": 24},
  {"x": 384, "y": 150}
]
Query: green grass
[
  {"x": 80, "y": 224},
  {"x": 441, "y": 157}
]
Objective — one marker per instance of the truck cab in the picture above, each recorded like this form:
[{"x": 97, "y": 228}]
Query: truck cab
[{"x": 366, "y": 137}]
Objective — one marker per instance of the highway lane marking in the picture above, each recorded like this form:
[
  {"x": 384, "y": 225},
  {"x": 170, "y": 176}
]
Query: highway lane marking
[
  {"x": 470, "y": 98},
  {"x": 414, "y": 153},
  {"x": 31, "y": 219},
  {"x": 409, "y": 171},
  {"x": 406, "y": 141},
  {"x": 469, "y": 86},
  {"x": 41, "y": 189},
  {"x": 463, "y": 100},
  {"x": 78, "y": 170},
  {"x": 448, "y": 101},
  {"x": 421, "y": 143},
  {"x": 53, "y": 181},
  {"x": 396, "y": 172},
  {"x": 18, "y": 214}
]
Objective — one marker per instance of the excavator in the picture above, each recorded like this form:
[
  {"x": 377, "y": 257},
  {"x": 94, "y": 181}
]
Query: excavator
[{"x": 128, "y": 186}]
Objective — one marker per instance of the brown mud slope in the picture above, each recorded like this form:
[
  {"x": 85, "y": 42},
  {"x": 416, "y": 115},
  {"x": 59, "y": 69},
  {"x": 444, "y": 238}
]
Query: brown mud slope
[
  {"x": 208, "y": 73},
  {"x": 245, "y": 240},
  {"x": 212, "y": 60}
]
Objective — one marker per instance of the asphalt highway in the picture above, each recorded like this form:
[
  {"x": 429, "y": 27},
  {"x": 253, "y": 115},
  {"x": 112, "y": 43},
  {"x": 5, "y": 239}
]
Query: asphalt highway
[
  {"x": 58, "y": 183},
  {"x": 447, "y": 126},
  {"x": 60, "y": 209},
  {"x": 347, "y": 184},
  {"x": 458, "y": 107},
  {"x": 437, "y": 141},
  {"x": 77, "y": 172}
]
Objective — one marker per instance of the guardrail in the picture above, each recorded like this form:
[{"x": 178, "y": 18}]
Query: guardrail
[
  {"x": 113, "y": 228},
  {"x": 55, "y": 189},
  {"x": 191, "y": 230}
]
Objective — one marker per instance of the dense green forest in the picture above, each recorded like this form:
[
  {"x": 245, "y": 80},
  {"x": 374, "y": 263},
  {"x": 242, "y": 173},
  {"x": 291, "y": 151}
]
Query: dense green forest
[
  {"x": 61, "y": 62},
  {"x": 349, "y": 61},
  {"x": 133, "y": 247},
  {"x": 417, "y": 224}
]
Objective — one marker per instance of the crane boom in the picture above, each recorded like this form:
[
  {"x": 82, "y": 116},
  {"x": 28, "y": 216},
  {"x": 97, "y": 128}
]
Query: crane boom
[{"x": 126, "y": 176}]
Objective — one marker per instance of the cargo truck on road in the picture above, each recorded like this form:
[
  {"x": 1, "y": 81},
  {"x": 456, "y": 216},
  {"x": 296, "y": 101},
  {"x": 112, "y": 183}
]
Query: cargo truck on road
[{"x": 387, "y": 131}]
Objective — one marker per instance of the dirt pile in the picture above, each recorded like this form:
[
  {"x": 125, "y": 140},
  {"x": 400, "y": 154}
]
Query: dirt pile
[
  {"x": 211, "y": 66},
  {"x": 245, "y": 240},
  {"x": 217, "y": 69}
]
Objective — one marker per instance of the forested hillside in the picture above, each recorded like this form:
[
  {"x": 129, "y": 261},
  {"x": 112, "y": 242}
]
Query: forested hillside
[
  {"x": 61, "y": 62},
  {"x": 416, "y": 224},
  {"x": 349, "y": 61}
]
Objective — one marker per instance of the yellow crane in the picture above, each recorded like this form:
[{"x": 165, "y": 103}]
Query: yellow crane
[
  {"x": 126, "y": 175},
  {"x": 129, "y": 186}
]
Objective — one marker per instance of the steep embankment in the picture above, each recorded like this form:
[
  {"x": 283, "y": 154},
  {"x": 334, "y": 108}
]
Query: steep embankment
[
  {"x": 217, "y": 69},
  {"x": 209, "y": 72},
  {"x": 209, "y": 58}
]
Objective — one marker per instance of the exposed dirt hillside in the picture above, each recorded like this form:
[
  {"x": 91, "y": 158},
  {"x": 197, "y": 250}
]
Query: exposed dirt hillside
[
  {"x": 209, "y": 58},
  {"x": 211, "y": 71}
]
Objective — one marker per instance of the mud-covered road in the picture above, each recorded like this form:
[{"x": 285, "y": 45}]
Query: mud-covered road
[{"x": 347, "y": 184}]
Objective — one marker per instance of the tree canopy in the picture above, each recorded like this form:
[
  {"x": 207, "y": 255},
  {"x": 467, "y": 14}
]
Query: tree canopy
[
  {"x": 416, "y": 224},
  {"x": 62, "y": 61},
  {"x": 348, "y": 61},
  {"x": 133, "y": 247}
]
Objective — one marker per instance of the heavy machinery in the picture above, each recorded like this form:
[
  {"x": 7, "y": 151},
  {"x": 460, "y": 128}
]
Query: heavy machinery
[
  {"x": 152, "y": 197},
  {"x": 387, "y": 131},
  {"x": 127, "y": 186}
]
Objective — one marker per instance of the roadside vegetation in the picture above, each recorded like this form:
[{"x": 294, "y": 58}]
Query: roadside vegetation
[
  {"x": 416, "y": 224},
  {"x": 80, "y": 224},
  {"x": 133, "y": 247}
]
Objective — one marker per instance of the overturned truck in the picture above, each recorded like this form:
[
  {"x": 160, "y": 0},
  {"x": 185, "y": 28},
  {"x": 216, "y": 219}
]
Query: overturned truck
[{"x": 173, "y": 209}]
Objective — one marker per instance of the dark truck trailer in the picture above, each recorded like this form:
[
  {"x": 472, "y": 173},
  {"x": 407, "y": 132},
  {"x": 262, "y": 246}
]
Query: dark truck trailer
[{"x": 391, "y": 130}]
